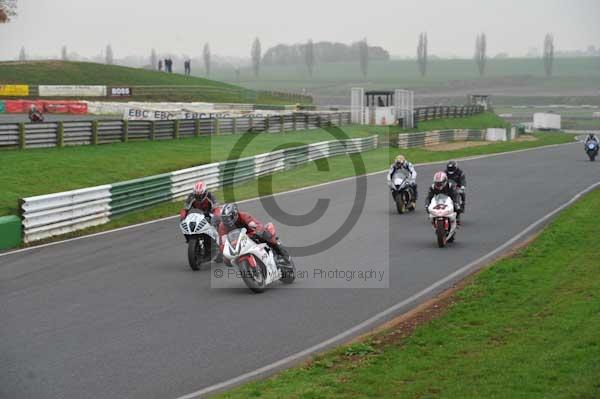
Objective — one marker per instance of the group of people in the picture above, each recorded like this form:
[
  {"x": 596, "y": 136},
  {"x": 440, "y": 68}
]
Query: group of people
[
  {"x": 229, "y": 218},
  {"x": 168, "y": 64},
  {"x": 451, "y": 182}
]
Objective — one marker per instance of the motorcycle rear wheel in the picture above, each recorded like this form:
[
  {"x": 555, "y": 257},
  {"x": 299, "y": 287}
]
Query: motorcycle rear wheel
[{"x": 288, "y": 273}]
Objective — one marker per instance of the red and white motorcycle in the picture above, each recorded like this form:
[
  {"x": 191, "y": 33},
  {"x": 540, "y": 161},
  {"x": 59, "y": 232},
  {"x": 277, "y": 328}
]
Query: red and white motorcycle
[
  {"x": 442, "y": 216},
  {"x": 257, "y": 263}
]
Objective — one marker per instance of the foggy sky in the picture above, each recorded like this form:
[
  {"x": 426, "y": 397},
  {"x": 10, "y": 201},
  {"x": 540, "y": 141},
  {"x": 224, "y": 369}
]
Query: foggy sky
[{"x": 134, "y": 27}]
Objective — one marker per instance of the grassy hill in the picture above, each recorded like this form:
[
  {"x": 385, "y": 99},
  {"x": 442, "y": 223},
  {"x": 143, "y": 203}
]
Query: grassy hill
[{"x": 87, "y": 73}]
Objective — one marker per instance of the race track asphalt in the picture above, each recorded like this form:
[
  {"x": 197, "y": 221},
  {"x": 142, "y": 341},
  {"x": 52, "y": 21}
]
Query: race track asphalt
[{"x": 121, "y": 315}]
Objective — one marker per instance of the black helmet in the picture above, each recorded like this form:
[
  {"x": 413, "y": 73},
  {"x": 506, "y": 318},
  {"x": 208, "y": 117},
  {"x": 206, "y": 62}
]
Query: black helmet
[
  {"x": 229, "y": 215},
  {"x": 451, "y": 168}
]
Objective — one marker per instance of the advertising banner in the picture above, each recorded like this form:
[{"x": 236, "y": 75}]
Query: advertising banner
[
  {"x": 72, "y": 91},
  {"x": 120, "y": 92},
  {"x": 14, "y": 90},
  {"x": 1, "y": 107},
  {"x": 144, "y": 114}
]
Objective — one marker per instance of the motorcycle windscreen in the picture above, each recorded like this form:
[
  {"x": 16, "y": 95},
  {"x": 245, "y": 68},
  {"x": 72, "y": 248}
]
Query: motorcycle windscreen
[{"x": 233, "y": 237}]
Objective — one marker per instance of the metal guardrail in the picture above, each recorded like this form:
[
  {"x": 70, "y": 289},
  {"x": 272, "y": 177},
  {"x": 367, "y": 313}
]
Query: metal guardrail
[
  {"x": 50, "y": 215},
  {"x": 439, "y": 112},
  {"x": 421, "y": 139},
  {"x": 59, "y": 134}
]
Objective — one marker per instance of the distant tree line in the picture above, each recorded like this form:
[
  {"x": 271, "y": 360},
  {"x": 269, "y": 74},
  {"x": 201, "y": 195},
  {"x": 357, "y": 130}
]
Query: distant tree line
[{"x": 320, "y": 52}]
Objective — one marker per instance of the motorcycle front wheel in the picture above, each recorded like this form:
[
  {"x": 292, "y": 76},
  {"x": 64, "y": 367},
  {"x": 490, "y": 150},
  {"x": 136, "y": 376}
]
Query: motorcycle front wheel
[
  {"x": 254, "y": 277},
  {"x": 195, "y": 253},
  {"x": 400, "y": 204},
  {"x": 440, "y": 232}
]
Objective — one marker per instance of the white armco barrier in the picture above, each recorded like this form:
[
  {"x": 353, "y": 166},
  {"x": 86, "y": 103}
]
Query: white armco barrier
[
  {"x": 61, "y": 213},
  {"x": 71, "y": 91}
]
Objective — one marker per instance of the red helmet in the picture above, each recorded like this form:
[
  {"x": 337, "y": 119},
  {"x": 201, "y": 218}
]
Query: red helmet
[
  {"x": 440, "y": 180},
  {"x": 200, "y": 190}
]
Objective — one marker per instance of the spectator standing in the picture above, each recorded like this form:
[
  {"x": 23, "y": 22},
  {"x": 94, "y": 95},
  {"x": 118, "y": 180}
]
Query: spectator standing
[{"x": 160, "y": 64}]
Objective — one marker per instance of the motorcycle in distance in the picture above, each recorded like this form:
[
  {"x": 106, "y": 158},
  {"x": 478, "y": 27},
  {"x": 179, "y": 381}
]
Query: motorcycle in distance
[
  {"x": 402, "y": 192},
  {"x": 36, "y": 117},
  {"x": 257, "y": 263},
  {"x": 202, "y": 239},
  {"x": 442, "y": 216},
  {"x": 591, "y": 148}
]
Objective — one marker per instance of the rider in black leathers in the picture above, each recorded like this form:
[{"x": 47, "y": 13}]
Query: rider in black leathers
[{"x": 456, "y": 175}]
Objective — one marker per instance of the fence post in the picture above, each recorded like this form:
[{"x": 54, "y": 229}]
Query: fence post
[
  {"x": 217, "y": 126},
  {"x": 152, "y": 130},
  {"x": 95, "y": 132},
  {"x": 196, "y": 127},
  {"x": 176, "y": 129},
  {"x": 306, "y": 121},
  {"x": 22, "y": 142},
  {"x": 125, "y": 136},
  {"x": 60, "y": 134},
  {"x": 234, "y": 125},
  {"x": 282, "y": 122},
  {"x": 251, "y": 124}
]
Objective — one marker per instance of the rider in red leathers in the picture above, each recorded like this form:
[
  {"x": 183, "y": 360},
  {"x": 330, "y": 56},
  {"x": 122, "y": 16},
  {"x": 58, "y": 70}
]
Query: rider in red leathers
[{"x": 232, "y": 218}]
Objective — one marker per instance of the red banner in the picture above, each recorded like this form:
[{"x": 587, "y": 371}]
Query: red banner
[
  {"x": 78, "y": 108},
  {"x": 57, "y": 107},
  {"x": 53, "y": 107},
  {"x": 13, "y": 106}
]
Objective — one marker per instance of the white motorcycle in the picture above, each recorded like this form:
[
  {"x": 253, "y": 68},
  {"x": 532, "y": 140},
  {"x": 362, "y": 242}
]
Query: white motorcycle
[
  {"x": 257, "y": 262},
  {"x": 403, "y": 192},
  {"x": 202, "y": 239},
  {"x": 442, "y": 216}
]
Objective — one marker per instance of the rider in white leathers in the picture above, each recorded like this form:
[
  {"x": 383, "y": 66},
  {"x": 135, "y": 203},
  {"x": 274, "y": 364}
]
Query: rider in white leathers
[{"x": 402, "y": 164}]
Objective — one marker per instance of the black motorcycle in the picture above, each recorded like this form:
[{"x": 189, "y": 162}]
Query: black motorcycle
[{"x": 403, "y": 193}]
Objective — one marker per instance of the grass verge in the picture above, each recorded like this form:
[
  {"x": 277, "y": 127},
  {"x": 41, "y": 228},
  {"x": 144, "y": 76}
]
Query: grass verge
[
  {"x": 323, "y": 171},
  {"x": 528, "y": 326}
]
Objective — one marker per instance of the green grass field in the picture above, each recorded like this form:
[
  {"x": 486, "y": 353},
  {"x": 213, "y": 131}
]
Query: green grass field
[
  {"x": 88, "y": 73},
  {"x": 527, "y": 327},
  {"x": 444, "y": 76}
]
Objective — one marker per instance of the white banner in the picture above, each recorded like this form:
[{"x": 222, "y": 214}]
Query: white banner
[
  {"x": 144, "y": 114},
  {"x": 72, "y": 91}
]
